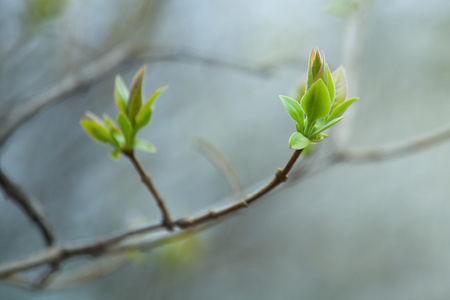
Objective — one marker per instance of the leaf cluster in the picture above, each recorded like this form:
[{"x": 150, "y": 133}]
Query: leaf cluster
[
  {"x": 320, "y": 104},
  {"x": 134, "y": 114}
]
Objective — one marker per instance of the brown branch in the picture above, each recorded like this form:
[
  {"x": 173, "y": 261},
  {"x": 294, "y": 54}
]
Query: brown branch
[
  {"x": 166, "y": 220},
  {"x": 31, "y": 207},
  {"x": 280, "y": 177},
  {"x": 57, "y": 254}
]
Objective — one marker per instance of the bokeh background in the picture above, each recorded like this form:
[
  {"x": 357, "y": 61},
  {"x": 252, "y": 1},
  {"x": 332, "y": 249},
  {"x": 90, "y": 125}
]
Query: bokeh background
[{"x": 376, "y": 230}]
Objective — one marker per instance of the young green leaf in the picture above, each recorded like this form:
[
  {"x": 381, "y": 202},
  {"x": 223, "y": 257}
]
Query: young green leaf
[
  {"x": 330, "y": 85},
  {"x": 125, "y": 125},
  {"x": 143, "y": 118},
  {"x": 298, "y": 141},
  {"x": 340, "y": 86},
  {"x": 155, "y": 95},
  {"x": 326, "y": 126},
  {"x": 340, "y": 109},
  {"x": 316, "y": 102},
  {"x": 144, "y": 146},
  {"x": 97, "y": 132},
  {"x": 145, "y": 115},
  {"x": 135, "y": 100},
  {"x": 121, "y": 94},
  {"x": 293, "y": 108}
]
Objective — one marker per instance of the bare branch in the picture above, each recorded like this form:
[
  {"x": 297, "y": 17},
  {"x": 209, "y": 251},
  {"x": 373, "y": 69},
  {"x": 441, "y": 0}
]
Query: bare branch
[
  {"x": 397, "y": 149},
  {"x": 30, "y": 206},
  {"x": 166, "y": 220},
  {"x": 57, "y": 254},
  {"x": 280, "y": 177},
  {"x": 13, "y": 119}
]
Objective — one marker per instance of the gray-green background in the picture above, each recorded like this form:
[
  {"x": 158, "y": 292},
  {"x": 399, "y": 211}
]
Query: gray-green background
[{"x": 378, "y": 230}]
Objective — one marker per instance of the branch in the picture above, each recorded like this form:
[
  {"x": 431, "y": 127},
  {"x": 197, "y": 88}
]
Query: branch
[
  {"x": 280, "y": 177},
  {"x": 397, "y": 149},
  {"x": 167, "y": 221},
  {"x": 13, "y": 119},
  {"x": 32, "y": 208},
  {"x": 57, "y": 254}
]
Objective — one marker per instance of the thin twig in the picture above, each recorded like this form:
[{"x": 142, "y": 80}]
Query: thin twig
[
  {"x": 166, "y": 221},
  {"x": 394, "y": 150},
  {"x": 57, "y": 254},
  {"x": 280, "y": 177},
  {"x": 32, "y": 208}
]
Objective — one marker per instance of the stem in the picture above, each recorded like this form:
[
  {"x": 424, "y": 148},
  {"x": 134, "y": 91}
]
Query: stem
[
  {"x": 166, "y": 221},
  {"x": 280, "y": 177}
]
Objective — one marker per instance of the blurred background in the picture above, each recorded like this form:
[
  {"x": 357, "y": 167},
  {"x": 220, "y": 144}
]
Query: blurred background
[{"x": 375, "y": 230}]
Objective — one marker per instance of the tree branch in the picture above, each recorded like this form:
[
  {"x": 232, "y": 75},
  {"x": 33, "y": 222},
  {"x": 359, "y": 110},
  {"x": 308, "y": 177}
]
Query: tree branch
[
  {"x": 394, "y": 150},
  {"x": 166, "y": 221},
  {"x": 57, "y": 254},
  {"x": 15, "y": 117},
  {"x": 32, "y": 208}
]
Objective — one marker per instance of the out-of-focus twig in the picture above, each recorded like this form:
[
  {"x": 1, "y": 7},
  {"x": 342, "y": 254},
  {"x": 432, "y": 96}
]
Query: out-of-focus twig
[
  {"x": 32, "y": 208},
  {"x": 222, "y": 163},
  {"x": 393, "y": 150},
  {"x": 353, "y": 48},
  {"x": 14, "y": 118},
  {"x": 185, "y": 55}
]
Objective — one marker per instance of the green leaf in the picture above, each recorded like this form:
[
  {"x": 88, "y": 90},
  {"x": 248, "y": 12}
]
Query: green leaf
[
  {"x": 155, "y": 95},
  {"x": 293, "y": 108},
  {"x": 298, "y": 141},
  {"x": 316, "y": 102},
  {"x": 125, "y": 125},
  {"x": 95, "y": 131},
  {"x": 330, "y": 85},
  {"x": 135, "y": 100},
  {"x": 326, "y": 126},
  {"x": 340, "y": 86},
  {"x": 145, "y": 115},
  {"x": 144, "y": 146},
  {"x": 318, "y": 138},
  {"x": 340, "y": 109},
  {"x": 112, "y": 129},
  {"x": 115, "y": 154},
  {"x": 121, "y": 94}
]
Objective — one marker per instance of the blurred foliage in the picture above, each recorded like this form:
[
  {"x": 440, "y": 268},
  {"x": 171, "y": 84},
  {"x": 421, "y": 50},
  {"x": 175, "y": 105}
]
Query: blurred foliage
[
  {"x": 343, "y": 8},
  {"x": 41, "y": 11},
  {"x": 181, "y": 254}
]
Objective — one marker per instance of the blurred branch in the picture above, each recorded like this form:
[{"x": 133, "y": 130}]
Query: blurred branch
[
  {"x": 222, "y": 163},
  {"x": 185, "y": 55},
  {"x": 32, "y": 208},
  {"x": 13, "y": 119},
  {"x": 396, "y": 149}
]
